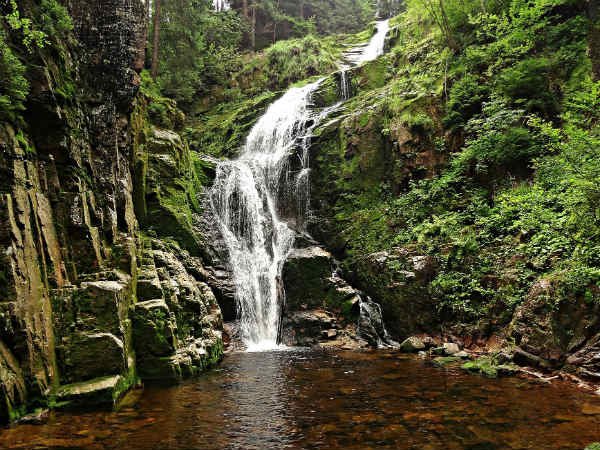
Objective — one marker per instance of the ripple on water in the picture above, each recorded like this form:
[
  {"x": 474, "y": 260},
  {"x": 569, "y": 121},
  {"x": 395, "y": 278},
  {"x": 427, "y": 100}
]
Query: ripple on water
[{"x": 324, "y": 400}]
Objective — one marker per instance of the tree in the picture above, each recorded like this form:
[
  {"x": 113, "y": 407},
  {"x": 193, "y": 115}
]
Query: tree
[{"x": 156, "y": 39}]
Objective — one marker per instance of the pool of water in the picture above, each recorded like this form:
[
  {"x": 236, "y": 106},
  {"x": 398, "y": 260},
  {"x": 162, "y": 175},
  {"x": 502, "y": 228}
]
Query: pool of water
[{"x": 322, "y": 400}]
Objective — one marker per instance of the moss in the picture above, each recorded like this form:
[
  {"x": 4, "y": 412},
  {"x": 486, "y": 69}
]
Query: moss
[
  {"x": 443, "y": 361},
  {"x": 125, "y": 383},
  {"x": 222, "y": 130},
  {"x": 488, "y": 367}
]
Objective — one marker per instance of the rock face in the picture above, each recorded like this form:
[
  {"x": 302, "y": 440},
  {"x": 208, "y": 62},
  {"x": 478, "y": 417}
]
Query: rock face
[
  {"x": 322, "y": 308},
  {"x": 83, "y": 287},
  {"x": 552, "y": 336}
]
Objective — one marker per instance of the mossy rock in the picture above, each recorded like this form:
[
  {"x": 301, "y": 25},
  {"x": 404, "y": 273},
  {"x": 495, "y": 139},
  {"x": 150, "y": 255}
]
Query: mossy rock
[
  {"x": 153, "y": 330},
  {"x": 305, "y": 278},
  {"x": 443, "y": 361},
  {"x": 488, "y": 367},
  {"x": 99, "y": 391}
]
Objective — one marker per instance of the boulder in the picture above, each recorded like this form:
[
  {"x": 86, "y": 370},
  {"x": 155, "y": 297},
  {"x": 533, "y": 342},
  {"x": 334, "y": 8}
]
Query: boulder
[
  {"x": 92, "y": 355},
  {"x": 587, "y": 360},
  {"x": 548, "y": 332},
  {"x": 412, "y": 344},
  {"x": 307, "y": 328},
  {"x": 104, "y": 390},
  {"x": 153, "y": 330},
  {"x": 450, "y": 348},
  {"x": 306, "y": 276}
]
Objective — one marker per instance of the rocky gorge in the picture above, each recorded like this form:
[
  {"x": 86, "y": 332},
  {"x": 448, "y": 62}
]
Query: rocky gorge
[{"x": 421, "y": 200}]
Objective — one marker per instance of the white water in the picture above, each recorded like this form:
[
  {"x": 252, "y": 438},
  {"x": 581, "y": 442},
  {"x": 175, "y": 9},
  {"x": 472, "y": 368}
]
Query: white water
[
  {"x": 374, "y": 48},
  {"x": 221, "y": 5},
  {"x": 250, "y": 193},
  {"x": 246, "y": 200}
]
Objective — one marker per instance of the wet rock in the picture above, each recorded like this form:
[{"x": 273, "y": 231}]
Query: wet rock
[
  {"x": 306, "y": 278},
  {"x": 93, "y": 355},
  {"x": 37, "y": 418},
  {"x": 412, "y": 344},
  {"x": 450, "y": 348},
  {"x": 447, "y": 349},
  {"x": 153, "y": 331},
  {"x": 587, "y": 360},
  {"x": 371, "y": 327},
  {"x": 538, "y": 327},
  {"x": 98, "y": 391},
  {"x": 523, "y": 358},
  {"x": 398, "y": 280},
  {"x": 307, "y": 328},
  {"x": 221, "y": 282},
  {"x": 329, "y": 334},
  {"x": 462, "y": 354}
]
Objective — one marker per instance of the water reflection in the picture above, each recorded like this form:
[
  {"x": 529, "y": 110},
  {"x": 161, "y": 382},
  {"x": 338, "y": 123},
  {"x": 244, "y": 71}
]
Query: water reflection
[{"x": 319, "y": 400}]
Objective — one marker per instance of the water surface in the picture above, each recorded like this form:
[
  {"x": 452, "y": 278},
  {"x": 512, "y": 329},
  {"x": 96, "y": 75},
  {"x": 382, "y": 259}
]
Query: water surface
[{"x": 318, "y": 400}]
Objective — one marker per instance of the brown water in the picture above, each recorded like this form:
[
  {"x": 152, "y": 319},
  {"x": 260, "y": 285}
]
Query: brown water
[{"x": 316, "y": 400}]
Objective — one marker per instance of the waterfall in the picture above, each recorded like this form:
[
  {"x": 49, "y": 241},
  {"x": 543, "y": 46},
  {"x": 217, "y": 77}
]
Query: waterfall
[
  {"x": 374, "y": 48},
  {"x": 252, "y": 193},
  {"x": 345, "y": 84},
  {"x": 221, "y": 5},
  {"x": 246, "y": 201}
]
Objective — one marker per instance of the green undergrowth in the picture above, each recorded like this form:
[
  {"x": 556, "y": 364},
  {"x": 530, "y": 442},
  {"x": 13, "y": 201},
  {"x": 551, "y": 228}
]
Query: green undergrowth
[
  {"x": 31, "y": 33},
  {"x": 479, "y": 149},
  {"x": 220, "y": 120}
]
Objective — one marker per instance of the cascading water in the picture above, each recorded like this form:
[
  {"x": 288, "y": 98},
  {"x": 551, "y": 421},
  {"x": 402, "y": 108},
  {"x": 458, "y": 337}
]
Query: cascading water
[
  {"x": 250, "y": 193},
  {"x": 345, "y": 83},
  {"x": 246, "y": 203},
  {"x": 221, "y": 5},
  {"x": 374, "y": 48}
]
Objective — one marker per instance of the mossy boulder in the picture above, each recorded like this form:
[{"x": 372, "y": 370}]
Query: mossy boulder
[
  {"x": 412, "y": 344},
  {"x": 154, "y": 331},
  {"x": 306, "y": 275},
  {"x": 92, "y": 355},
  {"x": 99, "y": 391},
  {"x": 489, "y": 367}
]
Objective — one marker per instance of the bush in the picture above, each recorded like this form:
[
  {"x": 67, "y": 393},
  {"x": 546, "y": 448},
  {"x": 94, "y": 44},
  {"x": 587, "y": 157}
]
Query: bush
[{"x": 14, "y": 87}]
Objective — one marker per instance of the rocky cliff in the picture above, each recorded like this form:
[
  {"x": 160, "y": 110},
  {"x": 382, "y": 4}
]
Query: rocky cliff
[
  {"x": 100, "y": 275},
  {"x": 434, "y": 192}
]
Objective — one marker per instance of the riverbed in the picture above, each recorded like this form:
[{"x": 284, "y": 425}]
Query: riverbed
[{"x": 308, "y": 399}]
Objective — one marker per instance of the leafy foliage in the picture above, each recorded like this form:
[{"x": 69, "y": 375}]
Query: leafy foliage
[{"x": 518, "y": 197}]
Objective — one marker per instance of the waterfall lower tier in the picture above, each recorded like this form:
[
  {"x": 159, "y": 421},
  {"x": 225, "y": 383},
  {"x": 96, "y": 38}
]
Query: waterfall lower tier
[{"x": 247, "y": 202}]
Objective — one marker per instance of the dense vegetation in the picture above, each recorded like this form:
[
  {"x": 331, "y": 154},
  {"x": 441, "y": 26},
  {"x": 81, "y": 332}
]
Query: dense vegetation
[
  {"x": 201, "y": 49},
  {"x": 27, "y": 34},
  {"x": 504, "y": 93}
]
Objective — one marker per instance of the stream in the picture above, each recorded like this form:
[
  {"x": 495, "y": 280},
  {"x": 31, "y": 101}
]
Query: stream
[{"x": 307, "y": 399}]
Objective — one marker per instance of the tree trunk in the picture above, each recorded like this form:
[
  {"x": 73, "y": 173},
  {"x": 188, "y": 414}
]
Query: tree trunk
[
  {"x": 245, "y": 9},
  {"x": 275, "y": 24},
  {"x": 253, "y": 28},
  {"x": 156, "y": 38},
  {"x": 594, "y": 36}
]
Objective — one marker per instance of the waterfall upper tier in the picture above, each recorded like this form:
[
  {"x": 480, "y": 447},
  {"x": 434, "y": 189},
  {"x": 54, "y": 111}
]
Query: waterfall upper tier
[{"x": 373, "y": 49}]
